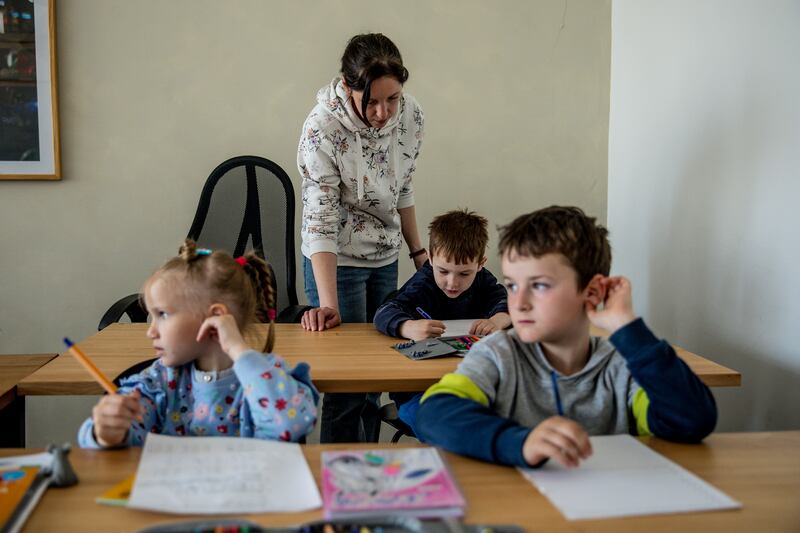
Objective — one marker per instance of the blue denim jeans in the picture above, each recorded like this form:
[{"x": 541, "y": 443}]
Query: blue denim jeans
[{"x": 353, "y": 417}]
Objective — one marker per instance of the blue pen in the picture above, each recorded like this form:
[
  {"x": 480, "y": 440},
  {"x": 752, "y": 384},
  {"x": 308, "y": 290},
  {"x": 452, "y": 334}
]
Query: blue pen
[
  {"x": 554, "y": 379},
  {"x": 423, "y": 314}
]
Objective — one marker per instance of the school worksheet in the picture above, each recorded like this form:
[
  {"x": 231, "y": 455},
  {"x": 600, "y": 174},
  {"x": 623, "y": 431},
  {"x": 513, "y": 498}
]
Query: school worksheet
[
  {"x": 623, "y": 477},
  {"x": 221, "y": 475},
  {"x": 457, "y": 328}
]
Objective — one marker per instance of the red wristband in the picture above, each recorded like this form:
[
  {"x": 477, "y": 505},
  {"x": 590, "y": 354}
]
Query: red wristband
[{"x": 421, "y": 251}]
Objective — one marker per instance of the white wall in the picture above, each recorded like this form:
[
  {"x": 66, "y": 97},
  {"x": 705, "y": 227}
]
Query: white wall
[
  {"x": 153, "y": 95},
  {"x": 704, "y": 180}
]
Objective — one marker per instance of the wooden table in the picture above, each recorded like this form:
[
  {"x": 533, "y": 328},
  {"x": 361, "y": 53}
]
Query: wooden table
[
  {"x": 760, "y": 470},
  {"x": 349, "y": 358},
  {"x": 13, "y": 368}
]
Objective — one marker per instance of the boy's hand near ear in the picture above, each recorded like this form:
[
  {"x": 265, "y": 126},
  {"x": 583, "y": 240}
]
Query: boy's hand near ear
[
  {"x": 224, "y": 329},
  {"x": 614, "y": 293}
]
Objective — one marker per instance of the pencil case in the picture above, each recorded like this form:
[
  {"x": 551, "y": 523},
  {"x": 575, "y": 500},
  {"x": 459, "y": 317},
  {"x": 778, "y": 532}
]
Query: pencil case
[{"x": 386, "y": 524}]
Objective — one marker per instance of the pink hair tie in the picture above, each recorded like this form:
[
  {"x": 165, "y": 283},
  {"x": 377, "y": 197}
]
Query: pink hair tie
[
  {"x": 242, "y": 260},
  {"x": 271, "y": 315}
]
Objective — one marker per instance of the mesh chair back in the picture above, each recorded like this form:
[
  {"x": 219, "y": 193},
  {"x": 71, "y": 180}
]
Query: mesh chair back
[{"x": 248, "y": 203}]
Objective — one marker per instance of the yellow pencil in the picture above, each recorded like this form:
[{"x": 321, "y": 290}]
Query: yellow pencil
[{"x": 87, "y": 363}]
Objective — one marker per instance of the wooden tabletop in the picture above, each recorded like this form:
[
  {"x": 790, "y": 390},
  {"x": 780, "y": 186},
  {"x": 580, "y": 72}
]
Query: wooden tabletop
[
  {"x": 14, "y": 368},
  {"x": 760, "y": 470},
  {"x": 349, "y": 358}
]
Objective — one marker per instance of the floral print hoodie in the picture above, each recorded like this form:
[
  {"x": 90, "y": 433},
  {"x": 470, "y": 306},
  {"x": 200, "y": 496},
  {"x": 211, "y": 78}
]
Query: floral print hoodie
[{"x": 355, "y": 178}]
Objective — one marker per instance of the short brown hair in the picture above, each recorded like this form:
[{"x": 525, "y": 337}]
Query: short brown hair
[
  {"x": 201, "y": 276},
  {"x": 562, "y": 230},
  {"x": 460, "y": 235}
]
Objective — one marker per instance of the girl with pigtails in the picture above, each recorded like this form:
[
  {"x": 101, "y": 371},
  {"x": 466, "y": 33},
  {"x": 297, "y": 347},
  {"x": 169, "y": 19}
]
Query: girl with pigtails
[{"x": 207, "y": 380}]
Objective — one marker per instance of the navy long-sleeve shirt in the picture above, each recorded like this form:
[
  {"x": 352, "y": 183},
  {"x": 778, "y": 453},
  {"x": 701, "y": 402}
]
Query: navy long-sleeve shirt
[{"x": 484, "y": 299}]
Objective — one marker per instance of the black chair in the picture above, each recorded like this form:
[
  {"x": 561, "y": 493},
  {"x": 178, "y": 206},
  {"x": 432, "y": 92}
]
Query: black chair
[
  {"x": 133, "y": 369},
  {"x": 247, "y": 203},
  {"x": 388, "y": 414},
  {"x": 130, "y": 305}
]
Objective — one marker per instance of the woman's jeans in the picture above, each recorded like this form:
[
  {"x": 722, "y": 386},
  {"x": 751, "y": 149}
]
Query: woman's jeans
[{"x": 353, "y": 417}]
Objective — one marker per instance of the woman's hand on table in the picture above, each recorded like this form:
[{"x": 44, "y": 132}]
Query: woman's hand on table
[{"x": 320, "y": 318}]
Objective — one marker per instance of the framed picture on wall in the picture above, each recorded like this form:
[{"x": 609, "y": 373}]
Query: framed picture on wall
[{"x": 29, "y": 143}]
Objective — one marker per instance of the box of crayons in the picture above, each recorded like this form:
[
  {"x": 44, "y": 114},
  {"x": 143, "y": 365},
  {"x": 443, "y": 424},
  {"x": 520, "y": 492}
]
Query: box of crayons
[{"x": 429, "y": 348}]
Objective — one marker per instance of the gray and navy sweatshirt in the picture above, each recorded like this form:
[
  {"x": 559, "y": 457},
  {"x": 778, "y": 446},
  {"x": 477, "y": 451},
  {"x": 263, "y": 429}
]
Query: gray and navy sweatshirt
[
  {"x": 484, "y": 299},
  {"x": 633, "y": 383}
]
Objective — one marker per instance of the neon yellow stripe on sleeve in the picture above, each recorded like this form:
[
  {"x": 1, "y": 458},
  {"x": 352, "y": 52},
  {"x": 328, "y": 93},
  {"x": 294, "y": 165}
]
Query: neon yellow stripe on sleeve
[
  {"x": 639, "y": 407},
  {"x": 457, "y": 385}
]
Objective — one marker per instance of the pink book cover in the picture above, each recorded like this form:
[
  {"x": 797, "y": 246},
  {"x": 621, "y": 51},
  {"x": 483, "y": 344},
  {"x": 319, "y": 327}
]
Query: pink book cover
[{"x": 406, "y": 481}]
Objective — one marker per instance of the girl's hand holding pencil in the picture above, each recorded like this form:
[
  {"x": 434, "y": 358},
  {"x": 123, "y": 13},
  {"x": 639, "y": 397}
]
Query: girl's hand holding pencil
[
  {"x": 113, "y": 416},
  {"x": 114, "y": 413}
]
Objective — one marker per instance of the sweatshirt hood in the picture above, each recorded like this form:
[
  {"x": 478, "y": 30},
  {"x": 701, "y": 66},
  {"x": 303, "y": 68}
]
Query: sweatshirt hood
[{"x": 334, "y": 100}]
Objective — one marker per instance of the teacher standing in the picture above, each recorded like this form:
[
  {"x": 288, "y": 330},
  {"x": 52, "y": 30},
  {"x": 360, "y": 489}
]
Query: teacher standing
[{"x": 357, "y": 155}]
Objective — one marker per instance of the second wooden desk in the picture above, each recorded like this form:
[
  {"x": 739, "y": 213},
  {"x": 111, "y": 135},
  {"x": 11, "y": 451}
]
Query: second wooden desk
[{"x": 349, "y": 358}]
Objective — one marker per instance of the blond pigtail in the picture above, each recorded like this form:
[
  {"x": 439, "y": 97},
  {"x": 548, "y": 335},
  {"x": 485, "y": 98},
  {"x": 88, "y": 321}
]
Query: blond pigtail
[
  {"x": 260, "y": 274},
  {"x": 188, "y": 250}
]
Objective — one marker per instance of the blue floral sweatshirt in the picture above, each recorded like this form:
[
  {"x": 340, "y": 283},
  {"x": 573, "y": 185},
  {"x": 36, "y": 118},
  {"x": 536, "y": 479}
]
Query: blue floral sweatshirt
[{"x": 258, "y": 397}]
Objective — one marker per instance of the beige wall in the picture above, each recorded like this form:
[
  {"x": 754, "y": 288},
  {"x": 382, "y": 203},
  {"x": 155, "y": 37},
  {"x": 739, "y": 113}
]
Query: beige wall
[
  {"x": 154, "y": 94},
  {"x": 703, "y": 189}
]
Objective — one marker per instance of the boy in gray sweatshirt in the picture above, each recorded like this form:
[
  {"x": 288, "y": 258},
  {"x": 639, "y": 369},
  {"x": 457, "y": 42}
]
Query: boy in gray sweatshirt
[{"x": 536, "y": 392}]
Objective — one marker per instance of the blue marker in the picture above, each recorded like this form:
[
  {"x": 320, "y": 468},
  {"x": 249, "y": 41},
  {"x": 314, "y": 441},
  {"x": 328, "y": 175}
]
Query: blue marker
[
  {"x": 554, "y": 379},
  {"x": 423, "y": 314}
]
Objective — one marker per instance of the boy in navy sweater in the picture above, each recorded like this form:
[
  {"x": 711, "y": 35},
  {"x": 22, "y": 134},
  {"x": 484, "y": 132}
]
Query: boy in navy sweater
[
  {"x": 536, "y": 392},
  {"x": 453, "y": 285}
]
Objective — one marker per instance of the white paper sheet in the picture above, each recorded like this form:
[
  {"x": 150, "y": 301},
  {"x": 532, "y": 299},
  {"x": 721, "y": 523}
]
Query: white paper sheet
[
  {"x": 623, "y": 477},
  {"x": 457, "y": 328},
  {"x": 219, "y": 475}
]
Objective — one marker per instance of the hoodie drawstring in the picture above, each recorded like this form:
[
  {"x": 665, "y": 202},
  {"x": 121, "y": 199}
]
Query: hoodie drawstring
[
  {"x": 395, "y": 145},
  {"x": 359, "y": 167}
]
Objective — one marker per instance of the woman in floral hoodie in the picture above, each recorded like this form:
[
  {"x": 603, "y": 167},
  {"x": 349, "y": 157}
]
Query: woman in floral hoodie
[{"x": 357, "y": 155}]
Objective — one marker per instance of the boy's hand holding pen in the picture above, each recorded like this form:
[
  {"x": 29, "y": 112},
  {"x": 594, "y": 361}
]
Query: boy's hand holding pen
[{"x": 427, "y": 328}]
